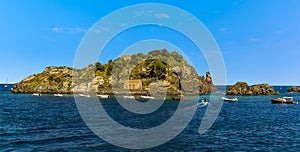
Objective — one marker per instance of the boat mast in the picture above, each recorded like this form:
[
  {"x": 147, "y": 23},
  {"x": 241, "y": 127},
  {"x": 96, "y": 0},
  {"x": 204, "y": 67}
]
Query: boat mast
[{"x": 6, "y": 83}]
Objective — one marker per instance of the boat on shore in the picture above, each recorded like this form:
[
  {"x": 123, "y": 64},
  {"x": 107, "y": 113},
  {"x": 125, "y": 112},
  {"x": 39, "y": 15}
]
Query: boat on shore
[
  {"x": 58, "y": 95},
  {"x": 230, "y": 99},
  {"x": 103, "y": 96},
  {"x": 283, "y": 100}
]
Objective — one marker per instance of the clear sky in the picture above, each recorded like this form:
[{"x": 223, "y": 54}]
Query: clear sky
[{"x": 259, "y": 39}]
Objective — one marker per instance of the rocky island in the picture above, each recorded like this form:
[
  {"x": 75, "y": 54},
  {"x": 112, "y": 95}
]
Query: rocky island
[
  {"x": 293, "y": 89},
  {"x": 242, "y": 88},
  {"x": 138, "y": 73}
]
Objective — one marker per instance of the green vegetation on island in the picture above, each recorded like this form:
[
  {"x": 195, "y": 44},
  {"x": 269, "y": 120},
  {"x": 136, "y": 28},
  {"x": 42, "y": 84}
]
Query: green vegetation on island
[{"x": 158, "y": 71}]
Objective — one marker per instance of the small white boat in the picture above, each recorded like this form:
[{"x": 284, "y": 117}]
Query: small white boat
[
  {"x": 129, "y": 97},
  {"x": 5, "y": 86},
  {"x": 36, "y": 94},
  {"x": 230, "y": 99},
  {"x": 84, "y": 95},
  {"x": 58, "y": 95},
  {"x": 147, "y": 97},
  {"x": 203, "y": 103},
  {"x": 103, "y": 96}
]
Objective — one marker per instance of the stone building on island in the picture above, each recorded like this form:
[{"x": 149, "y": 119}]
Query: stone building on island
[{"x": 133, "y": 84}]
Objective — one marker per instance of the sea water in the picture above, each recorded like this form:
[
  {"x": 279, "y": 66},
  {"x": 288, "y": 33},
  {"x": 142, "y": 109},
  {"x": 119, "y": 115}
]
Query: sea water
[{"x": 48, "y": 123}]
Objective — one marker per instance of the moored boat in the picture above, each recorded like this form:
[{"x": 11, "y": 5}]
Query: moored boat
[
  {"x": 230, "y": 99},
  {"x": 58, "y": 95},
  {"x": 36, "y": 94},
  {"x": 129, "y": 97},
  {"x": 147, "y": 97},
  {"x": 84, "y": 95},
  {"x": 103, "y": 96},
  {"x": 284, "y": 100}
]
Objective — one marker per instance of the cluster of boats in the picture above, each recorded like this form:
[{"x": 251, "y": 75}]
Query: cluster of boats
[
  {"x": 142, "y": 97},
  {"x": 39, "y": 94},
  {"x": 280, "y": 100}
]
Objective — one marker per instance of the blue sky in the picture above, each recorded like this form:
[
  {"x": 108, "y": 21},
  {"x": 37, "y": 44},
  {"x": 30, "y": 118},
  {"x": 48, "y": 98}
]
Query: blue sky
[{"x": 259, "y": 39}]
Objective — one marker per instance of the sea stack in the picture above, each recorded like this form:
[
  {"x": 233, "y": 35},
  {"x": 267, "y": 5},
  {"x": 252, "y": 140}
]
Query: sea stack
[
  {"x": 242, "y": 88},
  {"x": 293, "y": 89}
]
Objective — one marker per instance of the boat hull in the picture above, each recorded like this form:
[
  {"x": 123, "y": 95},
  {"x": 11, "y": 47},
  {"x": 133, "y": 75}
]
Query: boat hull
[
  {"x": 230, "y": 99},
  {"x": 275, "y": 101}
]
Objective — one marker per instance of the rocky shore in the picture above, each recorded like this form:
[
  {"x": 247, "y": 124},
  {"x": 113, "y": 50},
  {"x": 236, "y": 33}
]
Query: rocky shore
[{"x": 242, "y": 88}]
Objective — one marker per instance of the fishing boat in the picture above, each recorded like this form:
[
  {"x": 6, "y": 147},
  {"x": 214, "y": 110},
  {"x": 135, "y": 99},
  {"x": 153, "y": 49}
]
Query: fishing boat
[
  {"x": 285, "y": 100},
  {"x": 129, "y": 97},
  {"x": 147, "y": 97},
  {"x": 103, "y": 96},
  {"x": 58, "y": 95},
  {"x": 230, "y": 99}
]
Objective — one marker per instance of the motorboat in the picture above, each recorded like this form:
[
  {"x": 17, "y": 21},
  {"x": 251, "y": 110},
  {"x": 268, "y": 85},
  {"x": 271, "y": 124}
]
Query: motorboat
[
  {"x": 286, "y": 100},
  {"x": 230, "y": 99},
  {"x": 36, "y": 94},
  {"x": 129, "y": 97},
  {"x": 58, "y": 95},
  {"x": 203, "y": 103},
  {"x": 84, "y": 95},
  {"x": 103, "y": 96},
  {"x": 147, "y": 97}
]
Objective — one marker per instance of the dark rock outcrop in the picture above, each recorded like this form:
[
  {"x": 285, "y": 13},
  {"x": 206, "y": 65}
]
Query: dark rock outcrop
[
  {"x": 293, "y": 89},
  {"x": 242, "y": 88}
]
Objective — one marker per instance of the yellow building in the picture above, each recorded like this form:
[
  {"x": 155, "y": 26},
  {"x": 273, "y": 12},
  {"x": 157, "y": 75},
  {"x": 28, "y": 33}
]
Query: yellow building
[{"x": 133, "y": 84}]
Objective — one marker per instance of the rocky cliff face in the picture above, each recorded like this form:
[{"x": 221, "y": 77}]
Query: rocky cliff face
[
  {"x": 51, "y": 80},
  {"x": 158, "y": 70},
  {"x": 293, "y": 89},
  {"x": 242, "y": 88}
]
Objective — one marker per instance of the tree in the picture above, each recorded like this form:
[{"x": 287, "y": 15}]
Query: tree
[{"x": 100, "y": 67}]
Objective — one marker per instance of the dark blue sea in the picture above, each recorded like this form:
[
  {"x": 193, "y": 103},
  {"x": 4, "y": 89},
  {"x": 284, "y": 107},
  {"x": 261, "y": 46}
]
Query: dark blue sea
[{"x": 48, "y": 123}]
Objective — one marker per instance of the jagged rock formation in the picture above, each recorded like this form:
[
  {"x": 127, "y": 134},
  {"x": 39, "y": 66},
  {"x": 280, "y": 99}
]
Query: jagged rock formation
[
  {"x": 293, "y": 89},
  {"x": 159, "y": 71},
  {"x": 51, "y": 80},
  {"x": 242, "y": 88}
]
